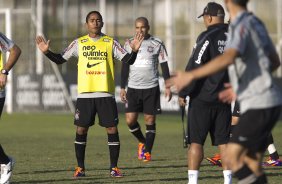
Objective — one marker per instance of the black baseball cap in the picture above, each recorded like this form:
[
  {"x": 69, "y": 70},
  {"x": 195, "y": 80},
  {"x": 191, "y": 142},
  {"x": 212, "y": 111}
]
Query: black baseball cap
[{"x": 213, "y": 9}]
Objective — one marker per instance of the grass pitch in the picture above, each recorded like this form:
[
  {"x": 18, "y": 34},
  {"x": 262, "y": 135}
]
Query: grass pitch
[{"x": 42, "y": 145}]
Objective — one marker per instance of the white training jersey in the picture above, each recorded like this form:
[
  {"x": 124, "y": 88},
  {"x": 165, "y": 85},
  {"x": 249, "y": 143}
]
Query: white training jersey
[
  {"x": 5, "y": 45},
  {"x": 144, "y": 74}
]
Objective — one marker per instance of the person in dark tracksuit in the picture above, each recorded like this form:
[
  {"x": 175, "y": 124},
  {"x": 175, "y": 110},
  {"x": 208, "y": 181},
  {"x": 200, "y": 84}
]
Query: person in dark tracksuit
[
  {"x": 206, "y": 114},
  {"x": 250, "y": 57}
]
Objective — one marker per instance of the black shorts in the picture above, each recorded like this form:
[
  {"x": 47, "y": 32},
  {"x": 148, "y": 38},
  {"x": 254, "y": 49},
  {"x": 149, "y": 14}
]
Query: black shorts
[
  {"x": 143, "y": 100},
  {"x": 236, "y": 109},
  {"x": 254, "y": 128},
  {"x": 213, "y": 119},
  {"x": 105, "y": 107}
]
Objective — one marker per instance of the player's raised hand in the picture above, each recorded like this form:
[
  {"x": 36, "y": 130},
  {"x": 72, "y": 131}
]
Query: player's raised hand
[
  {"x": 42, "y": 44},
  {"x": 180, "y": 80},
  {"x": 137, "y": 41}
]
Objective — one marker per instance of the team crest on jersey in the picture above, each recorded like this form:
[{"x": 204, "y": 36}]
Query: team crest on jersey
[
  {"x": 150, "y": 49},
  {"x": 3, "y": 46},
  {"x": 76, "y": 116},
  {"x": 106, "y": 40},
  {"x": 84, "y": 40}
]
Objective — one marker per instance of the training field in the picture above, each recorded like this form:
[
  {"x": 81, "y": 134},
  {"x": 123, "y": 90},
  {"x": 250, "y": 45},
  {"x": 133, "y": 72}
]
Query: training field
[{"x": 42, "y": 145}]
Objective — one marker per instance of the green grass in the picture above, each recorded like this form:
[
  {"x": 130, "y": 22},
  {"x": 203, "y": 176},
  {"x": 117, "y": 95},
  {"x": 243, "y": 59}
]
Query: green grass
[{"x": 42, "y": 145}]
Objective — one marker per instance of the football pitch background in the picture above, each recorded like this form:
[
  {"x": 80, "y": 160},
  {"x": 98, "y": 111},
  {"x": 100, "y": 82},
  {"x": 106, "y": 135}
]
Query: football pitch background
[{"x": 42, "y": 145}]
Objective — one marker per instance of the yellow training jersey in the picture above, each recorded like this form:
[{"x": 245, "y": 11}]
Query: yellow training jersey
[{"x": 95, "y": 65}]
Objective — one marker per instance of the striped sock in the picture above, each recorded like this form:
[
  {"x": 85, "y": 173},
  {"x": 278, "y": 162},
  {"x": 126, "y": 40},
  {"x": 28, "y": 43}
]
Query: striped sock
[
  {"x": 80, "y": 146},
  {"x": 114, "y": 148},
  {"x": 136, "y": 131},
  {"x": 150, "y": 137}
]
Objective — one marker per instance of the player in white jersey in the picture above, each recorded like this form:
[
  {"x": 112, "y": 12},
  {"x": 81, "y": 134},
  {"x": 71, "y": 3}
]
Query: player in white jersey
[
  {"x": 143, "y": 93},
  {"x": 6, "y": 45}
]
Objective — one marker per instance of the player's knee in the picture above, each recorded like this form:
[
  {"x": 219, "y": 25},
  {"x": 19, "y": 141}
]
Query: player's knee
[
  {"x": 149, "y": 119},
  {"x": 112, "y": 130},
  {"x": 81, "y": 130},
  {"x": 131, "y": 123}
]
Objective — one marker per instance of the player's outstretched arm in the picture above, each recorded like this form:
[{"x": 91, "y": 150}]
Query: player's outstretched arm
[
  {"x": 44, "y": 47},
  {"x": 42, "y": 44},
  {"x": 183, "y": 79}
]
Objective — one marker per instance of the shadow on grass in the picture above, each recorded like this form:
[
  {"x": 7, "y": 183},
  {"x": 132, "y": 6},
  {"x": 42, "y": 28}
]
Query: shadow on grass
[{"x": 59, "y": 180}]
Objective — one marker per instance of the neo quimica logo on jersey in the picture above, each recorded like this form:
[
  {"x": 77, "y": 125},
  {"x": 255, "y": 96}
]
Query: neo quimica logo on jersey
[{"x": 91, "y": 53}]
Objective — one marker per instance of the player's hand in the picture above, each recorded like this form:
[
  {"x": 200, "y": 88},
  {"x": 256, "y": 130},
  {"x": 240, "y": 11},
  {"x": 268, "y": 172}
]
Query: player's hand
[
  {"x": 3, "y": 81},
  {"x": 180, "y": 80},
  {"x": 122, "y": 95},
  {"x": 182, "y": 101},
  {"x": 168, "y": 94},
  {"x": 135, "y": 44},
  {"x": 227, "y": 95},
  {"x": 42, "y": 44}
]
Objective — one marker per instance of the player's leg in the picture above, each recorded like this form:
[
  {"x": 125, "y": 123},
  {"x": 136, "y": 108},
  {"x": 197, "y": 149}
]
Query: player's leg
[
  {"x": 135, "y": 129},
  {"x": 79, "y": 147},
  {"x": 134, "y": 126},
  {"x": 195, "y": 156},
  {"x": 6, "y": 162},
  {"x": 236, "y": 151},
  {"x": 108, "y": 118},
  {"x": 220, "y": 135},
  {"x": 84, "y": 118},
  {"x": 227, "y": 173},
  {"x": 252, "y": 139},
  {"x": 273, "y": 159},
  {"x": 114, "y": 149},
  {"x": 132, "y": 108},
  {"x": 150, "y": 136},
  {"x": 4, "y": 159},
  {"x": 198, "y": 127},
  {"x": 151, "y": 107}
]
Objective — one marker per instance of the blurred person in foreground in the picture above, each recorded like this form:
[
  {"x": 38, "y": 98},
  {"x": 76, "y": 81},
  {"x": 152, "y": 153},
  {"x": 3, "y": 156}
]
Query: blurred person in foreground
[
  {"x": 273, "y": 159},
  {"x": 95, "y": 52},
  {"x": 250, "y": 57},
  {"x": 143, "y": 93},
  {"x": 206, "y": 113},
  {"x": 6, "y": 45}
]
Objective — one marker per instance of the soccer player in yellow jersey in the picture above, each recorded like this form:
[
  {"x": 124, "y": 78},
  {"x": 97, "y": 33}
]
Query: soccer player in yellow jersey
[{"x": 95, "y": 52}]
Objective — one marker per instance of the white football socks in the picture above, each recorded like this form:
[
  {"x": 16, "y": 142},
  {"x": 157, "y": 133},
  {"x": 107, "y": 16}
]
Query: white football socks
[
  {"x": 227, "y": 176},
  {"x": 193, "y": 176}
]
